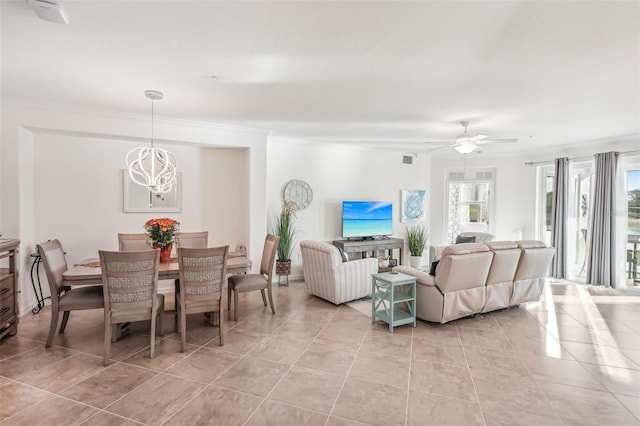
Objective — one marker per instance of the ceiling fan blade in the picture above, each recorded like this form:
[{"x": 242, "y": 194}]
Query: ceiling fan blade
[
  {"x": 438, "y": 142},
  {"x": 497, "y": 141},
  {"x": 478, "y": 138}
]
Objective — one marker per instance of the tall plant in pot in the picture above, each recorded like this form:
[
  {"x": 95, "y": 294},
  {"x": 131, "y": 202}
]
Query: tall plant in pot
[
  {"x": 284, "y": 229},
  {"x": 417, "y": 237}
]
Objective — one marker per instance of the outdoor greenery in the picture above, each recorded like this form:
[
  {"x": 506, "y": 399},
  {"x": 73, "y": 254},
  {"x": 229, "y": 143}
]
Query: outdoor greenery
[
  {"x": 634, "y": 209},
  {"x": 417, "y": 237},
  {"x": 284, "y": 228}
]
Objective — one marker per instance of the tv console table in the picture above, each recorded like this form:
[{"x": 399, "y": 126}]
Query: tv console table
[{"x": 366, "y": 246}]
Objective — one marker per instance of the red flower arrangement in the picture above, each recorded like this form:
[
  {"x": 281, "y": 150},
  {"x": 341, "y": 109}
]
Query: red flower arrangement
[{"x": 162, "y": 231}]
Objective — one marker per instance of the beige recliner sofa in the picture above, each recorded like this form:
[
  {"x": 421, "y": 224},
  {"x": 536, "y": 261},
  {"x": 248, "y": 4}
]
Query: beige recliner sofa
[
  {"x": 474, "y": 277},
  {"x": 435, "y": 252},
  {"x": 327, "y": 276},
  {"x": 458, "y": 288}
]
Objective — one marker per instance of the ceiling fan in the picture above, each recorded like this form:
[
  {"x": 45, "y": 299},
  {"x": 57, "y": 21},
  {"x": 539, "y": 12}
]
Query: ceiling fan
[{"x": 468, "y": 142}]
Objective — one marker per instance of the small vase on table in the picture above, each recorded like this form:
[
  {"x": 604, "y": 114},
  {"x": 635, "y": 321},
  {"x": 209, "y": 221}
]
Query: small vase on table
[{"x": 165, "y": 252}]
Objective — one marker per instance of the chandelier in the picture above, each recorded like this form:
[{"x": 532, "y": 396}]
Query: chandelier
[{"x": 152, "y": 167}]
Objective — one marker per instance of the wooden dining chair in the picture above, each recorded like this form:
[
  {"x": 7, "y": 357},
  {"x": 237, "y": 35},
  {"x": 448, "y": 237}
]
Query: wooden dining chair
[
  {"x": 243, "y": 283},
  {"x": 130, "y": 283},
  {"x": 64, "y": 298},
  {"x": 202, "y": 275},
  {"x": 193, "y": 239},
  {"x": 133, "y": 242}
]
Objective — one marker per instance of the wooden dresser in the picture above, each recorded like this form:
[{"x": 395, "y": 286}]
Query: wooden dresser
[{"x": 9, "y": 287}]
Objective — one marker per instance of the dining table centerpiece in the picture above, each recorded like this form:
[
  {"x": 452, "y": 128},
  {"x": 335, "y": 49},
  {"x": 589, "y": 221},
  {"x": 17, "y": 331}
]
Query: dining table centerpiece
[{"x": 162, "y": 232}]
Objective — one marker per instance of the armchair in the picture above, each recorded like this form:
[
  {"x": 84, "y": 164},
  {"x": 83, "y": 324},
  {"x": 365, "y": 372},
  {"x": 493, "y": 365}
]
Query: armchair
[{"x": 328, "y": 277}]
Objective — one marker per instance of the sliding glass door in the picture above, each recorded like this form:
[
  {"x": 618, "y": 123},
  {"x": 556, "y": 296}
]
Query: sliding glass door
[
  {"x": 632, "y": 237},
  {"x": 578, "y": 221}
]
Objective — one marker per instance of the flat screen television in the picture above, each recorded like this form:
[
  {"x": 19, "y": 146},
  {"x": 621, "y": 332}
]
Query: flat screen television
[{"x": 367, "y": 219}]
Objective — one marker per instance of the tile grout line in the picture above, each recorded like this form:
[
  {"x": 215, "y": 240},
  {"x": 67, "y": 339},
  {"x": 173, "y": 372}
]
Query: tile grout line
[
  {"x": 473, "y": 382},
  {"x": 291, "y": 366},
  {"x": 346, "y": 377}
]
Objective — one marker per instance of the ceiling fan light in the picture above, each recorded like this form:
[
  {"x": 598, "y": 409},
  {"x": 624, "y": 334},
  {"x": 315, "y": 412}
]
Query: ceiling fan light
[{"x": 465, "y": 147}]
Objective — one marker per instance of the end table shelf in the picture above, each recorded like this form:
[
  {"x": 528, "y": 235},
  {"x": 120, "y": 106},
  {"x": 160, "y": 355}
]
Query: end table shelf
[{"x": 389, "y": 291}]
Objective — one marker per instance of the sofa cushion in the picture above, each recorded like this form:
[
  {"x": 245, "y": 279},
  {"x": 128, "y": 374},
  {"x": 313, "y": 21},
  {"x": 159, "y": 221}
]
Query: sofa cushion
[
  {"x": 434, "y": 265},
  {"x": 465, "y": 248},
  {"x": 501, "y": 245},
  {"x": 527, "y": 244},
  {"x": 343, "y": 255},
  {"x": 461, "y": 239}
]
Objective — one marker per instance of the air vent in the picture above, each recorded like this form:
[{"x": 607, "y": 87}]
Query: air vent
[
  {"x": 484, "y": 175},
  {"x": 456, "y": 176},
  {"x": 407, "y": 159}
]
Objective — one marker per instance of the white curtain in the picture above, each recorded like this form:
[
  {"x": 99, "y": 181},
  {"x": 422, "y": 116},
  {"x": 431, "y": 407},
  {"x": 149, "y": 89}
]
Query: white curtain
[
  {"x": 603, "y": 261},
  {"x": 559, "y": 207}
]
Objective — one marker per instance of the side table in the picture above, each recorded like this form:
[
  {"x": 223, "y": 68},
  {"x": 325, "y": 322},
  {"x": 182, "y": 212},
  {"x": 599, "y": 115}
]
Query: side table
[{"x": 389, "y": 291}]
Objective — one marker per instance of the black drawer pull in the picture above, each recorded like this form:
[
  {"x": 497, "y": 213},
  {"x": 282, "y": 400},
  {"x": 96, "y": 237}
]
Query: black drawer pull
[
  {"x": 5, "y": 290},
  {"x": 5, "y": 310}
]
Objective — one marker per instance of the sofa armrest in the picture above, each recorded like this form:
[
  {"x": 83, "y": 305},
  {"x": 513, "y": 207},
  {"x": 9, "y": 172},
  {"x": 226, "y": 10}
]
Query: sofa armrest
[{"x": 421, "y": 277}]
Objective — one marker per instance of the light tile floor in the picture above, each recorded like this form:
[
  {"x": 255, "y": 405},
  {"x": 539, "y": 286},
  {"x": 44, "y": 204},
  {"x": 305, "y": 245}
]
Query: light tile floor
[{"x": 571, "y": 359}]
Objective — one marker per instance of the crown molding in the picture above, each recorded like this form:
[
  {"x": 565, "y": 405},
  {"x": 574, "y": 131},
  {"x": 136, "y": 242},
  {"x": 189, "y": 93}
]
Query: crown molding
[{"x": 74, "y": 109}]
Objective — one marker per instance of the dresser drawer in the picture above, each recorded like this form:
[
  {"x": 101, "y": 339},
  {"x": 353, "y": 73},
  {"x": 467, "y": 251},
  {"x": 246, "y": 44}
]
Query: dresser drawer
[
  {"x": 7, "y": 310},
  {"x": 6, "y": 288}
]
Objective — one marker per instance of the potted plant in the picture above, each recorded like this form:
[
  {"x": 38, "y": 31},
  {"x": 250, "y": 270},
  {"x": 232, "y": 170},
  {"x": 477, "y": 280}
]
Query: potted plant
[
  {"x": 162, "y": 232},
  {"x": 284, "y": 229},
  {"x": 417, "y": 237}
]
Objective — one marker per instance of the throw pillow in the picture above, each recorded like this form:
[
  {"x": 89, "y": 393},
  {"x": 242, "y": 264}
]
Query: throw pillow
[
  {"x": 343, "y": 255},
  {"x": 461, "y": 240},
  {"x": 434, "y": 265}
]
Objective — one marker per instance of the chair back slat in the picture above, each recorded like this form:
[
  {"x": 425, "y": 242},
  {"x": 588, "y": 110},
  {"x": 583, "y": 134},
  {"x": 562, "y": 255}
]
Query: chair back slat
[
  {"x": 55, "y": 265},
  {"x": 129, "y": 277},
  {"x": 193, "y": 239},
  {"x": 202, "y": 272},
  {"x": 269, "y": 255},
  {"x": 133, "y": 242}
]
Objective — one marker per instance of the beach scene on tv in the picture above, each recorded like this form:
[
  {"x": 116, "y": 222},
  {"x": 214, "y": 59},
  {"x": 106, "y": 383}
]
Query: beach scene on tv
[{"x": 367, "y": 218}]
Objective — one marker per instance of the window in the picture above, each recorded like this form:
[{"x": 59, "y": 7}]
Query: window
[
  {"x": 632, "y": 239},
  {"x": 545, "y": 200},
  {"x": 469, "y": 201}
]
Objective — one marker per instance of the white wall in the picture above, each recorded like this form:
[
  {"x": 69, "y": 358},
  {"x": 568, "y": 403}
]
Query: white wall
[
  {"x": 61, "y": 177},
  {"x": 514, "y": 194},
  {"x": 515, "y": 190},
  {"x": 338, "y": 173}
]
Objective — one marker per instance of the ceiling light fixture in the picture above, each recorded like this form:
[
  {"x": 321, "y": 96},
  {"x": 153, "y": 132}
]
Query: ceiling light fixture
[
  {"x": 465, "y": 147},
  {"x": 152, "y": 167},
  {"x": 49, "y": 10}
]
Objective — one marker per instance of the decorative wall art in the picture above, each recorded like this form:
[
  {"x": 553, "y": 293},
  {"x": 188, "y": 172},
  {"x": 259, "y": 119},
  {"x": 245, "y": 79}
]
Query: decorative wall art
[
  {"x": 413, "y": 205},
  {"x": 138, "y": 198}
]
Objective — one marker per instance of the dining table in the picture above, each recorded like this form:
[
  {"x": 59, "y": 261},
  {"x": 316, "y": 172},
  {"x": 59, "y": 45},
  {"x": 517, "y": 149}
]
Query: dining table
[{"x": 88, "y": 271}]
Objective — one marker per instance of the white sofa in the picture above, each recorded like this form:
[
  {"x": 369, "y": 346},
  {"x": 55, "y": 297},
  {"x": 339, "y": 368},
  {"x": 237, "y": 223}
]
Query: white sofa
[
  {"x": 472, "y": 278},
  {"x": 327, "y": 276}
]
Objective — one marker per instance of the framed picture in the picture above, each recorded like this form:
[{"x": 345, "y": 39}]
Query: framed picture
[
  {"x": 138, "y": 198},
  {"x": 413, "y": 205}
]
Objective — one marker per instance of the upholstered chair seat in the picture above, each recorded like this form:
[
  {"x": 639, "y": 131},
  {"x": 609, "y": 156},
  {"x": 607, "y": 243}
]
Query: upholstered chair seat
[
  {"x": 64, "y": 298},
  {"x": 243, "y": 283}
]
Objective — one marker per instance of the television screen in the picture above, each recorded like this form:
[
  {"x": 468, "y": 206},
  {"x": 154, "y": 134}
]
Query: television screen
[{"x": 366, "y": 219}]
